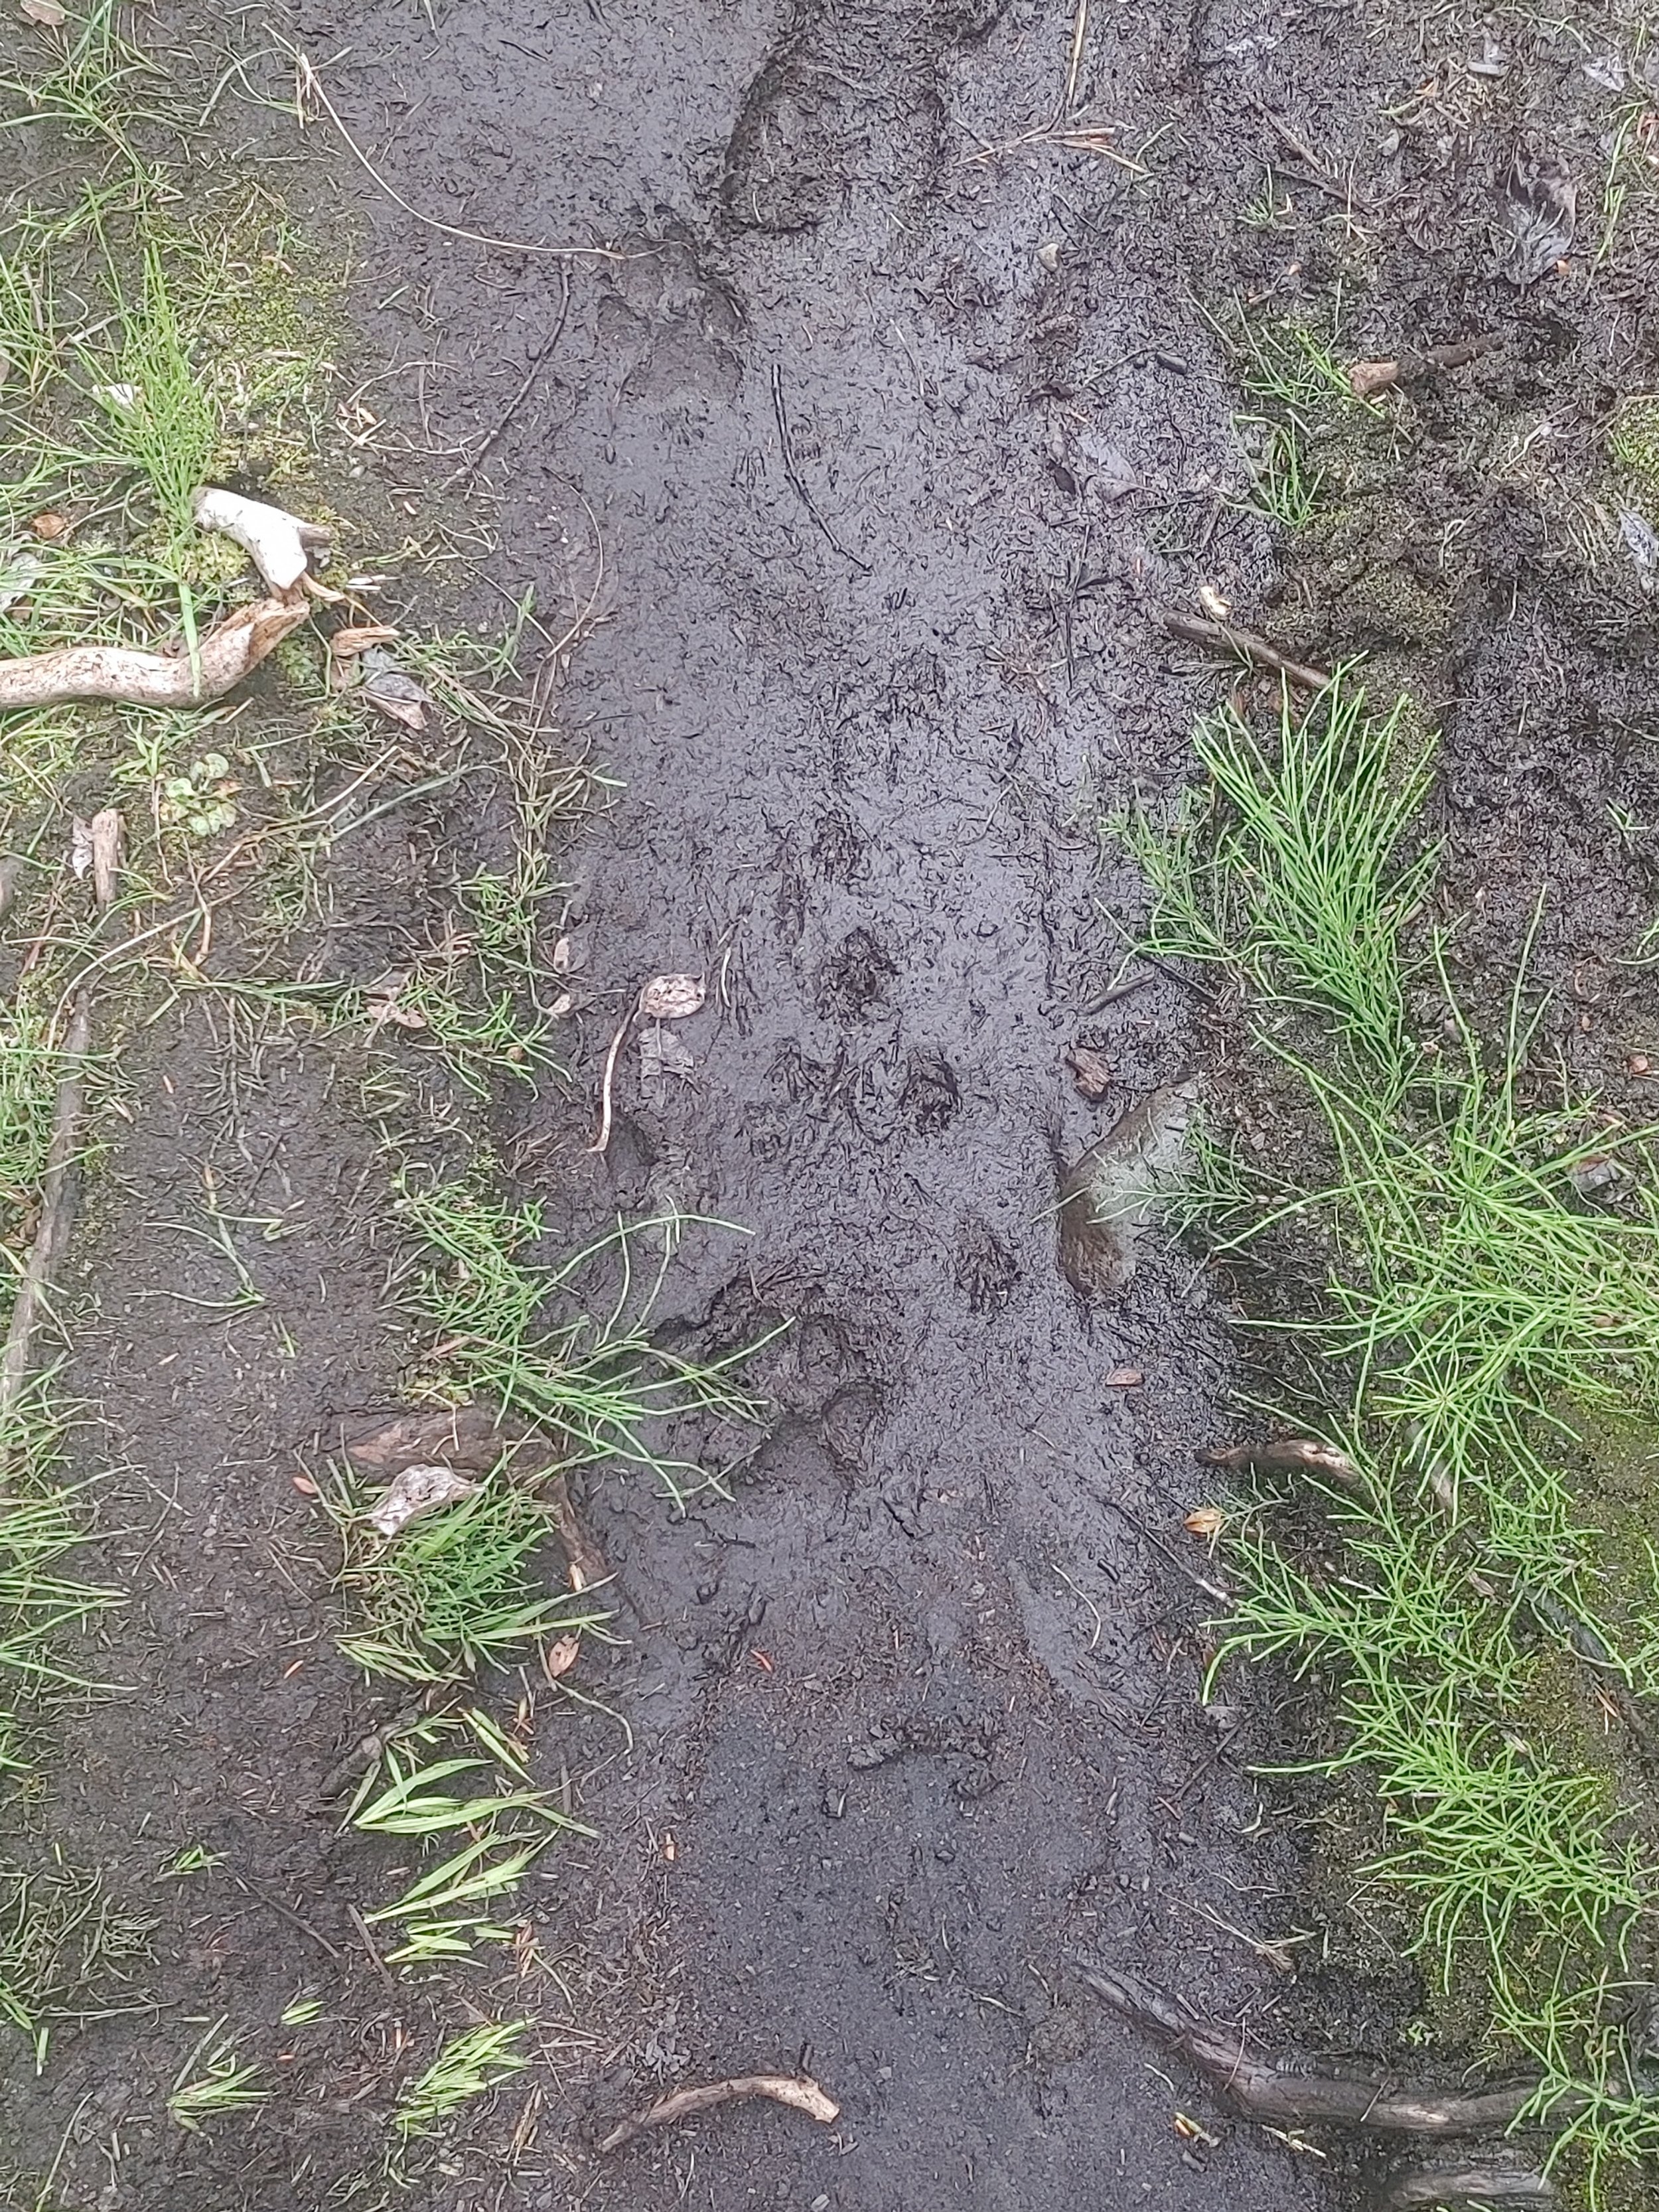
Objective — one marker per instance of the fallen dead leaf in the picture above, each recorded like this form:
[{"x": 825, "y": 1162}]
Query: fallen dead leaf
[
  {"x": 560, "y": 1655},
  {"x": 19, "y": 573},
  {"x": 1092, "y": 1072},
  {"x": 305, "y": 1485},
  {"x": 661, "y": 1054},
  {"x": 418, "y": 1489},
  {"x": 397, "y": 696},
  {"x": 1207, "y": 1521},
  {"x": 671, "y": 998},
  {"x": 47, "y": 13},
  {"x": 383, "y": 1007},
  {"x": 49, "y": 524},
  {"x": 357, "y": 637},
  {"x": 1125, "y": 1378}
]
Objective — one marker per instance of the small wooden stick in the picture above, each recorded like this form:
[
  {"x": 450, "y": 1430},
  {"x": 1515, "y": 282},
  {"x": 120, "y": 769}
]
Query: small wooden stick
[
  {"x": 1367, "y": 378},
  {"x": 1244, "y": 645},
  {"x": 798, "y": 2090},
  {"x": 58, "y": 1181}
]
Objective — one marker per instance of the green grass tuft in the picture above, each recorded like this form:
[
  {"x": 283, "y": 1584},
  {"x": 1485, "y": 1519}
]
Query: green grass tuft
[
  {"x": 456, "y": 1591},
  {"x": 1290, "y": 867},
  {"x": 468, "y": 2066},
  {"x": 1464, "y": 1312},
  {"x": 516, "y": 1331}
]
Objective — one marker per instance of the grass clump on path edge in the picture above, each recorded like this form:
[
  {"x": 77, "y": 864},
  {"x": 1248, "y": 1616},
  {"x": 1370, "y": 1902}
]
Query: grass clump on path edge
[{"x": 1469, "y": 1316}]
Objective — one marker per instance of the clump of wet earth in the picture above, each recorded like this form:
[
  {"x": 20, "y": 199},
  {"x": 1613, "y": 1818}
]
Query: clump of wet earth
[{"x": 894, "y": 402}]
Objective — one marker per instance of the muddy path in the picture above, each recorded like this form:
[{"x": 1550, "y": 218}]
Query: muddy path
[
  {"x": 915, "y": 1712},
  {"x": 869, "y": 431}
]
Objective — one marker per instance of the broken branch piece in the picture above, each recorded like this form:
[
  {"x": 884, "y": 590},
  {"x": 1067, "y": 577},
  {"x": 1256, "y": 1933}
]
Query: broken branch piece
[
  {"x": 281, "y": 542},
  {"x": 1367, "y": 378},
  {"x": 122, "y": 672},
  {"x": 798, "y": 2090},
  {"x": 1244, "y": 645},
  {"x": 1283, "y": 2098}
]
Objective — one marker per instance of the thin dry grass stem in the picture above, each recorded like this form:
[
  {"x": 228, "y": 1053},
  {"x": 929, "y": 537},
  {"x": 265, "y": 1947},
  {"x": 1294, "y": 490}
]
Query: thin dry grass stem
[{"x": 309, "y": 87}]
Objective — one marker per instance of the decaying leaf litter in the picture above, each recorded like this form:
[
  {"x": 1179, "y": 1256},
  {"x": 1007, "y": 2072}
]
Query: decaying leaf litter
[{"x": 1478, "y": 537}]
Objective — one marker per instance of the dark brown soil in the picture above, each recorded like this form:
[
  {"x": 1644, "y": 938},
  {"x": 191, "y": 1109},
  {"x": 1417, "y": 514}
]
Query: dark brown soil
[{"x": 896, "y": 448}]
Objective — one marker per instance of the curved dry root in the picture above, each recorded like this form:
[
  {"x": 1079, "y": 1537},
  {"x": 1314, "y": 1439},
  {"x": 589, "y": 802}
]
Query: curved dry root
[
  {"x": 121, "y": 672},
  {"x": 1418, "y": 2188},
  {"x": 1262, "y": 2089},
  {"x": 280, "y": 546}
]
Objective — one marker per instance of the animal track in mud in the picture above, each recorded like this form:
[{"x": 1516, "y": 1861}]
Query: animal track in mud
[
  {"x": 853, "y": 977},
  {"x": 846, "y": 95},
  {"x": 839, "y": 852},
  {"x": 985, "y": 1269},
  {"x": 931, "y": 1096}
]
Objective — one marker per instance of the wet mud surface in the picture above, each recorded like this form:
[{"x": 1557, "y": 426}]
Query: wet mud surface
[{"x": 895, "y": 449}]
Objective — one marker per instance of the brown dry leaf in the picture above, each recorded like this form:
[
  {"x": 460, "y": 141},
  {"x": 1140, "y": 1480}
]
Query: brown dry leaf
[
  {"x": 398, "y": 696},
  {"x": 383, "y": 1007},
  {"x": 1092, "y": 1072},
  {"x": 1208, "y": 1521},
  {"x": 560, "y": 1657},
  {"x": 357, "y": 637},
  {"x": 305, "y": 1485},
  {"x": 47, "y": 13},
  {"x": 1367, "y": 378},
  {"x": 49, "y": 524},
  {"x": 661, "y": 1055},
  {"x": 418, "y": 1489},
  {"x": 671, "y": 998}
]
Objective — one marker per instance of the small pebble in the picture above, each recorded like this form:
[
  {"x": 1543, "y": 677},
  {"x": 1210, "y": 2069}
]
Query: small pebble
[
  {"x": 1049, "y": 255},
  {"x": 1638, "y": 1063}
]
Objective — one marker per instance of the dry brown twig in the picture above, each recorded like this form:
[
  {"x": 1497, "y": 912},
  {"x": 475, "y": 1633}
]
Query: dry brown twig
[
  {"x": 309, "y": 85},
  {"x": 58, "y": 1181},
  {"x": 1244, "y": 645},
  {"x": 1367, "y": 378},
  {"x": 1066, "y": 129},
  {"x": 798, "y": 2090}
]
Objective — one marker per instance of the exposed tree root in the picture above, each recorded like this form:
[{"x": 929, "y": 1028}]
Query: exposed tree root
[
  {"x": 1262, "y": 2090},
  {"x": 1425, "y": 2186},
  {"x": 280, "y": 543},
  {"x": 122, "y": 673},
  {"x": 1294, "y": 1455},
  {"x": 59, "y": 1180}
]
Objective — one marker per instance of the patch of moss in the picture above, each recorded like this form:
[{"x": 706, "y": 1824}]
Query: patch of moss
[{"x": 1633, "y": 451}]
